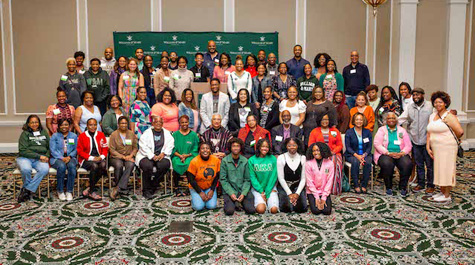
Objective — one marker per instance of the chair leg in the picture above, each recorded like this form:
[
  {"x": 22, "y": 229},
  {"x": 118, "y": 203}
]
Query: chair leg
[
  {"x": 141, "y": 181},
  {"x": 133, "y": 176},
  {"x": 14, "y": 186},
  {"x": 166, "y": 183},
  {"x": 102, "y": 186},
  {"x": 110, "y": 179},
  {"x": 171, "y": 182}
]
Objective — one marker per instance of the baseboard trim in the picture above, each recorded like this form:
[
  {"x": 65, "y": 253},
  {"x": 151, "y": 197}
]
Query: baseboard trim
[{"x": 8, "y": 148}]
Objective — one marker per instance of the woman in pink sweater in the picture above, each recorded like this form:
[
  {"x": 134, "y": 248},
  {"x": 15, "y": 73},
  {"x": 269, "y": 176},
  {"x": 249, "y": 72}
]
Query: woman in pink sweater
[
  {"x": 392, "y": 147},
  {"x": 319, "y": 171}
]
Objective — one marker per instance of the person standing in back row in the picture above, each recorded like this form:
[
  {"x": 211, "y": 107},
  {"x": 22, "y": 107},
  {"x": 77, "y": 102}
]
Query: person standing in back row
[
  {"x": 356, "y": 79},
  {"x": 297, "y": 63},
  {"x": 108, "y": 61},
  {"x": 211, "y": 57}
]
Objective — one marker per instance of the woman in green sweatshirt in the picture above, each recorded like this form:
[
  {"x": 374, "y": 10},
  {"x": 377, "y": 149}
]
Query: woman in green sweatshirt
[
  {"x": 263, "y": 173},
  {"x": 34, "y": 153},
  {"x": 97, "y": 81}
]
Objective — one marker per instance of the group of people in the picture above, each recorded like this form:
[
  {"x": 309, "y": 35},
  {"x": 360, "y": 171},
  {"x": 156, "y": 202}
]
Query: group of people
[{"x": 276, "y": 141}]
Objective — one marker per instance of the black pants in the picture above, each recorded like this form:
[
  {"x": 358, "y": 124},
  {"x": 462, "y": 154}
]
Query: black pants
[
  {"x": 96, "y": 170},
  {"x": 387, "y": 164},
  {"x": 327, "y": 210},
  {"x": 286, "y": 206},
  {"x": 421, "y": 157},
  {"x": 162, "y": 166},
  {"x": 122, "y": 176},
  {"x": 355, "y": 170},
  {"x": 247, "y": 204},
  {"x": 102, "y": 107}
]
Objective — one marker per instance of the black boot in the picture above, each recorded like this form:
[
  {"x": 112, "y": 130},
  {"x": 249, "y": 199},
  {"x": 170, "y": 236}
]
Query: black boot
[{"x": 21, "y": 196}]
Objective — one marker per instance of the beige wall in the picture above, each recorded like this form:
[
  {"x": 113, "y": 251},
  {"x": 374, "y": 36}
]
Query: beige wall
[
  {"x": 107, "y": 16},
  {"x": 180, "y": 16},
  {"x": 382, "y": 44},
  {"x": 471, "y": 76},
  {"x": 394, "y": 50},
  {"x": 269, "y": 16},
  {"x": 2, "y": 78},
  {"x": 431, "y": 45},
  {"x": 335, "y": 34},
  {"x": 44, "y": 35}
]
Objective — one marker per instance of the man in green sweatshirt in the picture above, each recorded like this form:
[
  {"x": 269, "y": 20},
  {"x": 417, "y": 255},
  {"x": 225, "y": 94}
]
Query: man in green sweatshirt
[
  {"x": 235, "y": 180},
  {"x": 97, "y": 81}
]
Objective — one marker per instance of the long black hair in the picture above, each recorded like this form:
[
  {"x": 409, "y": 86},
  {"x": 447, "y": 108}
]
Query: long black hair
[
  {"x": 146, "y": 71},
  {"x": 393, "y": 95},
  {"x": 26, "y": 127},
  {"x": 300, "y": 148},
  {"x": 409, "y": 88},
  {"x": 259, "y": 144},
  {"x": 255, "y": 61},
  {"x": 324, "y": 151}
]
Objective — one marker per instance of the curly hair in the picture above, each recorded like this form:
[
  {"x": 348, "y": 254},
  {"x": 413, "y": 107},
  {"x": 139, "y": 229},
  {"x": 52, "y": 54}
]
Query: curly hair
[
  {"x": 324, "y": 151},
  {"x": 235, "y": 140},
  {"x": 300, "y": 147},
  {"x": 259, "y": 145},
  {"x": 319, "y": 119},
  {"x": 166, "y": 89},
  {"x": 443, "y": 96},
  {"x": 315, "y": 61}
]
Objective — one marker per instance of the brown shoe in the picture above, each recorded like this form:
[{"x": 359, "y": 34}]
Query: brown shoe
[
  {"x": 113, "y": 194},
  {"x": 430, "y": 190},
  {"x": 417, "y": 189}
]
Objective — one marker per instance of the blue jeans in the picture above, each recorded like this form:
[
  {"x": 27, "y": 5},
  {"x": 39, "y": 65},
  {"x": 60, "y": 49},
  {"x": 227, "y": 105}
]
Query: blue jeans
[
  {"x": 421, "y": 156},
  {"x": 198, "y": 204},
  {"x": 61, "y": 167},
  {"x": 350, "y": 101},
  {"x": 26, "y": 165}
]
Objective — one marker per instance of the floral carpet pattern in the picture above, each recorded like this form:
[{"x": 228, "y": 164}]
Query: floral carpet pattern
[{"x": 363, "y": 229}]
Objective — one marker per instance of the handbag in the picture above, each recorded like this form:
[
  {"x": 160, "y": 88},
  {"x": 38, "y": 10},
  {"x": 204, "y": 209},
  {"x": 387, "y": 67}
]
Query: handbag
[
  {"x": 345, "y": 183},
  {"x": 460, "y": 150}
]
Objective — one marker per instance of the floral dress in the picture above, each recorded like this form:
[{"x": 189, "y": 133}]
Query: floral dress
[
  {"x": 330, "y": 86},
  {"x": 129, "y": 91},
  {"x": 140, "y": 114}
]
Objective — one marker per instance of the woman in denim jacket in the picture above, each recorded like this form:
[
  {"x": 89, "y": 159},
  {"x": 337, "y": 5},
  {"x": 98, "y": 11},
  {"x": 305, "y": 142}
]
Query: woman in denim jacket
[{"x": 63, "y": 156}]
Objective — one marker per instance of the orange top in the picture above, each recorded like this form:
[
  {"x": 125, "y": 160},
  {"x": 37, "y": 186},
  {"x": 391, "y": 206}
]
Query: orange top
[
  {"x": 368, "y": 113},
  {"x": 204, "y": 171},
  {"x": 169, "y": 115}
]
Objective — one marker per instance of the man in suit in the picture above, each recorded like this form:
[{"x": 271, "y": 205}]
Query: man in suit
[{"x": 281, "y": 132}]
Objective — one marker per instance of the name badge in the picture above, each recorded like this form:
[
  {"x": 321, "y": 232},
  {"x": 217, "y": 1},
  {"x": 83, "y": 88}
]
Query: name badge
[
  {"x": 82, "y": 71},
  {"x": 103, "y": 65},
  {"x": 253, "y": 142},
  {"x": 56, "y": 111},
  {"x": 381, "y": 110},
  {"x": 216, "y": 60},
  {"x": 128, "y": 142},
  {"x": 397, "y": 142},
  {"x": 365, "y": 140},
  {"x": 64, "y": 78},
  {"x": 70, "y": 141},
  {"x": 125, "y": 77},
  {"x": 166, "y": 78},
  {"x": 198, "y": 75},
  {"x": 279, "y": 138},
  {"x": 36, "y": 133},
  {"x": 227, "y": 72},
  {"x": 176, "y": 76},
  {"x": 327, "y": 171},
  {"x": 353, "y": 71},
  {"x": 333, "y": 133},
  {"x": 272, "y": 72},
  {"x": 247, "y": 109},
  {"x": 329, "y": 76},
  {"x": 157, "y": 138}
]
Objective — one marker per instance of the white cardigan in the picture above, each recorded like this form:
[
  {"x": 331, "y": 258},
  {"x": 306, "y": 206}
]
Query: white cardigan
[
  {"x": 147, "y": 145},
  {"x": 206, "y": 110}
]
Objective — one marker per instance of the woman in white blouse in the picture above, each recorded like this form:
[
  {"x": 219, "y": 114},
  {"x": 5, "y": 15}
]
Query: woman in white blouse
[
  {"x": 291, "y": 176},
  {"x": 295, "y": 106},
  {"x": 239, "y": 79}
]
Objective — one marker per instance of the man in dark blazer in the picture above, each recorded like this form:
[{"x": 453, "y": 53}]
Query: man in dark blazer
[{"x": 281, "y": 132}]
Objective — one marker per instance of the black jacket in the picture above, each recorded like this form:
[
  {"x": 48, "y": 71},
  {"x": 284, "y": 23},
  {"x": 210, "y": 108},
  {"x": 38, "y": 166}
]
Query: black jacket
[
  {"x": 234, "y": 123},
  {"x": 272, "y": 118},
  {"x": 204, "y": 74},
  {"x": 295, "y": 131}
]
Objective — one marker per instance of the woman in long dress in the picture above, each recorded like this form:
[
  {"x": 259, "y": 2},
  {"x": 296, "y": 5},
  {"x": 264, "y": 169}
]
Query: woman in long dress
[{"x": 442, "y": 146}]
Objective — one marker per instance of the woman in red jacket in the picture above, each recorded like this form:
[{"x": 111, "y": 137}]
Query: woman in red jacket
[
  {"x": 250, "y": 134},
  {"x": 327, "y": 133},
  {"x": 92, "y": 153}
]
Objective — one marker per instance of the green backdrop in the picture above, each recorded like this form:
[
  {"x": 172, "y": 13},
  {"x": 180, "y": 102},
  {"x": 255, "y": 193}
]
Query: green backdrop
[{"x": 189, "y": 43}]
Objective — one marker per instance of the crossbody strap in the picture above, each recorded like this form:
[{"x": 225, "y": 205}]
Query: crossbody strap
[{"x": 456, "y": 139}]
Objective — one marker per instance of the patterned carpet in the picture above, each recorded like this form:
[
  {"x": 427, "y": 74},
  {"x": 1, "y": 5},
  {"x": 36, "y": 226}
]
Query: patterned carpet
[{"x": 363, "y": 229}]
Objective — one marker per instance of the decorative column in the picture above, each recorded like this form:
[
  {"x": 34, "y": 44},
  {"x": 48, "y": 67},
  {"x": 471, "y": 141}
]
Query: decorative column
[
  {"x": 83, "y": 35},
  {"x": 229, "y": 11},
  {"x": 156, "y": 15},
  {"x": 407, "y": 41},
  {"x": 457, "y": 10},
  {"x": 301, "y": 25}
]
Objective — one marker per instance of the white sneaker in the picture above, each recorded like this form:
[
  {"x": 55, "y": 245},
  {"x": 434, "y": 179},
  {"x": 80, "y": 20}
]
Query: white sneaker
[
  {"x": 61, "y": 196},
  {"x": 440, "y": 194},
  {"x": 69, "y": 196},
  {"x": 443, "y": 199}
]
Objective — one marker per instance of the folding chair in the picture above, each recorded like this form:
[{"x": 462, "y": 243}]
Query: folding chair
[
  {"x": 17, "y": 173},
  {"x": 110, "y": 171},
  {"x": 81, "y": 171}
]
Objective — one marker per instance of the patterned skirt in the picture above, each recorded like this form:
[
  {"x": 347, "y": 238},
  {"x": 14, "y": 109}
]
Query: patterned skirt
[{"x": 337, "y": 180}]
